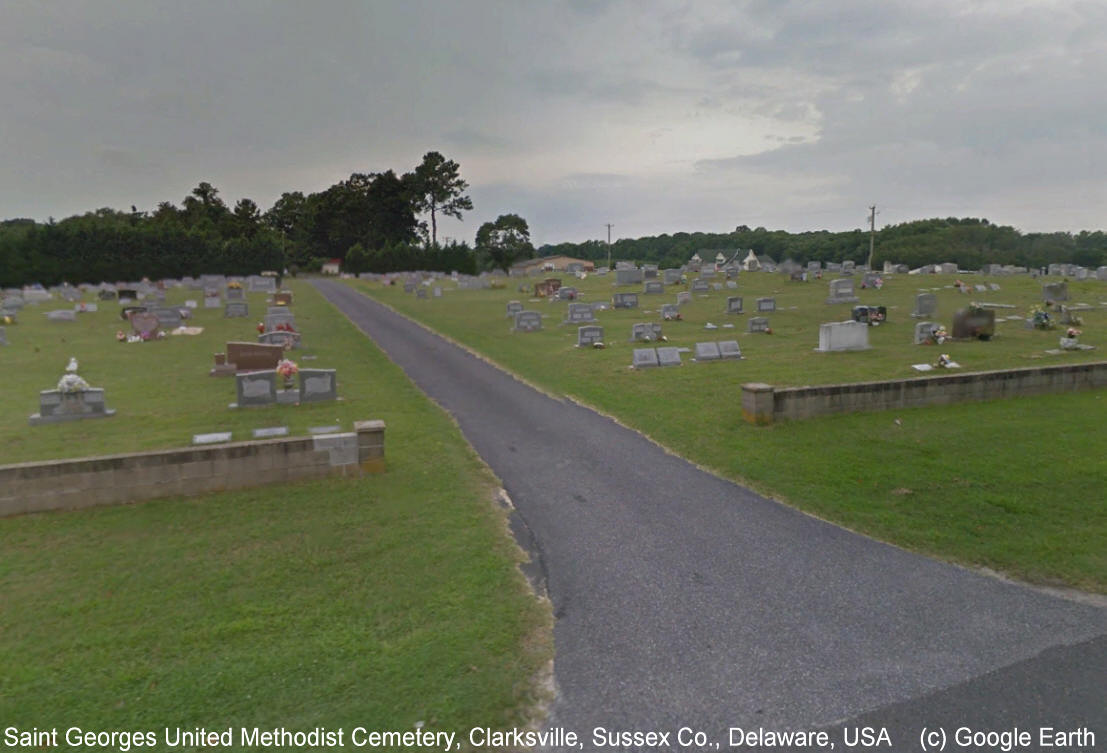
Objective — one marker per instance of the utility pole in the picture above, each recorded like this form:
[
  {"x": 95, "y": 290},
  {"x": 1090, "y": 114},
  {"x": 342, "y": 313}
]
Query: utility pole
[
  {"x": 872, "y": 233},
  {"x": 609, "y": 226}
]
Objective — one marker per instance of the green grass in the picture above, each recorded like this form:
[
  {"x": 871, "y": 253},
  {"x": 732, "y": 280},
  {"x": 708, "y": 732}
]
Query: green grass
[
  {"x": 161, "y": 389},
  {"x": 1012, "y": 485},
  {"x": 381, "y": 601}
]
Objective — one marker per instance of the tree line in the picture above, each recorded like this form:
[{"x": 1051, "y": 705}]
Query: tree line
[
  {"x": 968, "y": 242},
  {"x": 372, "y": 222}
]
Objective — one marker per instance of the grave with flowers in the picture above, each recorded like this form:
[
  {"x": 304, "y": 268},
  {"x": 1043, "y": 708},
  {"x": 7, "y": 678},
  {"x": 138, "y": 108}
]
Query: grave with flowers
[{"x": 72, "y": 400}]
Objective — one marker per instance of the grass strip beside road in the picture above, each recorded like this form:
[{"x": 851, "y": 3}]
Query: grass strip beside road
[
  {"x": 1010, "y": 485},
  {"x": 384, "y": 601}
]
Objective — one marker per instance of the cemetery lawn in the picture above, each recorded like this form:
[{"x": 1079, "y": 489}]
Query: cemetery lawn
[
  {"x": 383, "y": 601},
  {"x": 1010, "y": 485}
]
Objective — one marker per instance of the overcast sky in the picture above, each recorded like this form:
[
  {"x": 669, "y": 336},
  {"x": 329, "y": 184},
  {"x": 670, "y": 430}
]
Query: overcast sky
[{"x": 654, "y": 115}]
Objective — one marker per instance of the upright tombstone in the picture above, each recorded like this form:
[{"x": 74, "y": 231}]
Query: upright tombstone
[
  {"x": 926, "y": 304},
  {"x": 729, "y": 349},
  {"x": 708, "y": 351},
  {"x": 279, "y": 321},
  {"x": 670, "y": 311},
  {"x": 668, "y": 356},
  {"x": 528, "y": 321},
  {"x": 1055, "y": 292},
  {"x": 580, "y": 312},
  {"x": 318, "y": 385},
  {"x": 625, "y": 300},
  {"x": 766, "y": 304},
  {"x": 731, "y": 285},
  {"x": 628, "y": 276},
  {"x": 55, "y": 406},
  {"x": 699, "y": 285},
  {"x": 841, "y": 336},
  {"x": 733, "y": 272},
  {"x": 236, "y": 309},
  {"x": 841, "y": 291},
  {"x": 168, "y": 317},
  {"x": 421, "y": 292},
  {"x": 683, "y": 297},
  {"x": 670, "y": 276},
  {"x": 436, "y": 291},
  {"x": 256, "y": 388},
  {"x": 848, "y": 267},
  {"x": 758, "y": 324},
  {"x": 513, "y": 308},
  {"x": 924, "y": 332},
  {"x": 870, "y": 279},
  {"x": 106, "y": 295},
  {"x": 589, "y": 335},
  {"x": 211, "y": 298},
  {"x": 145, "y": 324},
  {"x": 3, "y": 336},
  {"x": 128, "y": 294},
  {"x": 644, "y": 358},
  {"x": 645, "y": 332},
  {"x": 734, "y": 304},
  {"x": 649, "y": 271},
  {"x": 567, "y": 294},
  {"x": 236, "y": 293},
  {"x": 654, "y": 287}
]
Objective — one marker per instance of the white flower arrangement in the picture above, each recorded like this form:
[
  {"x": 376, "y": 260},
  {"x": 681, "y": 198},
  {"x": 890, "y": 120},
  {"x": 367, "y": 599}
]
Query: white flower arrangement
[{"x": 72, "y": 383}]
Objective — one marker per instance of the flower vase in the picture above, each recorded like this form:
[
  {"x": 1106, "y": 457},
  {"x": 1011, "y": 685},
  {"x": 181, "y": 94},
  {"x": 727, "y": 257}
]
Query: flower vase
[{"x": 289, "y": 382}]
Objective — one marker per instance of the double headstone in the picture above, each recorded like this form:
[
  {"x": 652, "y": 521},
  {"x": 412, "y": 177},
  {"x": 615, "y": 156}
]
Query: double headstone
[
  {"x": 766, "y": 304},
  {"x": 589, "y": 335},
  {"x": 581, "y": 312},
  {"x": 699, "y": 285},
  {"x": 55, "y": 406},
  {"x": 758, "y": 324},
  {"x": 670, "y": 276},
  {"x": 567, "y": 294},
  {"x": 645, "y": 332},
  {"x": 528, "y": 321},
  {"x": 625, "y": 300},
  {"x": 653, "y": 287},
  {"x": 670, "y": 311}
]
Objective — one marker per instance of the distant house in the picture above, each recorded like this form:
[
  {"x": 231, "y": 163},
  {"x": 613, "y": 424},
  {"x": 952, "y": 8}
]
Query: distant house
[
  {"x": 560, "y": 263},
  {"x": 754, "y": 263},
  {"x": 332, "y": 267}
]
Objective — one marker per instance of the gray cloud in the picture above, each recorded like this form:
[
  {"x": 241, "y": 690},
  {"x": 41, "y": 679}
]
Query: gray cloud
[{"x": 657, "y": 116}]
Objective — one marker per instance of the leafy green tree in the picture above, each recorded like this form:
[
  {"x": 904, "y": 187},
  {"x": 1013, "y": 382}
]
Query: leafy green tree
[
  {"x": 436, "y": 187},
  {"x": 505, "y": 241}
]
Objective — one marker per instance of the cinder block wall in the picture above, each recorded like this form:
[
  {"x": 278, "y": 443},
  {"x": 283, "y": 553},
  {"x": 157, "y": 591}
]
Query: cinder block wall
[
  {"x": 807, "y": 402},
  {"x": 118, "y": 479}
]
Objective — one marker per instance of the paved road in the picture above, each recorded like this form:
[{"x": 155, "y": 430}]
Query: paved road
[{"x": 683, "y": 599}]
